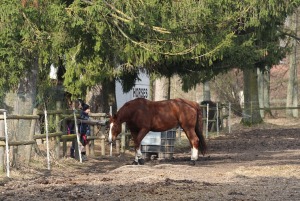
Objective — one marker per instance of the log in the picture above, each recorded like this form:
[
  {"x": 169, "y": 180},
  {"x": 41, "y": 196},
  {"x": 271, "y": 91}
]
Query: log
[
  {"x": 68, "y": 137},
  {"x": 93, "y": 137},
  {"x": 73, "y": 136},
  {"x": 20, "y": 117},
  {"x": 18, "y": 143},
  {"x": 92, "y": 122},
  {"x": 42, "y": 136},
  {"x": 52, "y": 112},
  {"x": 98, "y": 115}
]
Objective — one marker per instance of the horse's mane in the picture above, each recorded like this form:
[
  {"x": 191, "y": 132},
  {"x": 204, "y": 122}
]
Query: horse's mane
[{"x": 125, "y": 111}]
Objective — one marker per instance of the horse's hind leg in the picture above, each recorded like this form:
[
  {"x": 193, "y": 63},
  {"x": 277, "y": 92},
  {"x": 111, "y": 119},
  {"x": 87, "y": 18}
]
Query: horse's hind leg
[{"x": 194, "y": 141}]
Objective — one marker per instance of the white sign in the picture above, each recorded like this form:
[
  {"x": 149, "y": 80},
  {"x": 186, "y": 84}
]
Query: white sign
[
  {"x": 140, "y": 90},
  {"x": 53, "y": 72}
]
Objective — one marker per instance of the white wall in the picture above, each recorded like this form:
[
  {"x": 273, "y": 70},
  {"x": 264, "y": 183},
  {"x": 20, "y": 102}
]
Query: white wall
[{"x": 140, "y": 90}]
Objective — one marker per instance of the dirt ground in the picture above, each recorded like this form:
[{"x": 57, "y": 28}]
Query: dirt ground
[{"x": 258, "y": 163}]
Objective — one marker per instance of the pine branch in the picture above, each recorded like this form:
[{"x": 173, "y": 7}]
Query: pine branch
[{"x": 290, "y": 34}]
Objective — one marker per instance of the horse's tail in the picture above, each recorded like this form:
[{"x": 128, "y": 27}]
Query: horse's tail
[{"x": 198, "y": 130}]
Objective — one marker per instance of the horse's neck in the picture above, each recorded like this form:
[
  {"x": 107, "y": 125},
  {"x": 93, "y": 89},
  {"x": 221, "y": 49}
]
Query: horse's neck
[{"x": 123, "y": 116}]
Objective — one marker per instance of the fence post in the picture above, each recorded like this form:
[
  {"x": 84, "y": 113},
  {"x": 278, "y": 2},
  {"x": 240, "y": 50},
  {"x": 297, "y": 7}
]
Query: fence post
[
  {"x": 179, "y": 134},
  {"x": 204, "y": 120},
  {"x": 123, "y": 138},
  {"x": 57, "y": 129},
  {"x": 251, "y": 111},
  {"x": 65, "y": 148},
  {"x": 92, "y": 142},
  {"x": 102, "y": 142},
  {"x": 118, "y": 145},
  {"x": 2, "y": 147},
  {"x": 31, "y": 134},
  {"x": 65, "y": 130},
  {"x": 110, "y": 150},
  {"x": 229, "y": 117},
  {"x": 207, "y": 116},
  {"x": 217, "y": 118}
]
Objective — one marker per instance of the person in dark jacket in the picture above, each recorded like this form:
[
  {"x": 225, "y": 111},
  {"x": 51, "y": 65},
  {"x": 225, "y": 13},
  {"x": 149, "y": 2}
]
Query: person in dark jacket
[
  {"x": 84, "y": 131},
  {"x": 84, "y": 128}
]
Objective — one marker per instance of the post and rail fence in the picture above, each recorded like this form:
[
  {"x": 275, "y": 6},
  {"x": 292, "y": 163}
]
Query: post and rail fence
[{"x": 60, "y": 135}]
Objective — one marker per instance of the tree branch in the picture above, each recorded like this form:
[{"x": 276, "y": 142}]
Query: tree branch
[
  {"x": 290, "y": 35},
  {"x": 127, "y": 19},
  {"x": 144, "y": 45}
]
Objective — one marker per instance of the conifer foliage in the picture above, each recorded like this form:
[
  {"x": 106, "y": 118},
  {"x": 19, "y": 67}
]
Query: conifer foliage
[{"x": 102, "y": 40}]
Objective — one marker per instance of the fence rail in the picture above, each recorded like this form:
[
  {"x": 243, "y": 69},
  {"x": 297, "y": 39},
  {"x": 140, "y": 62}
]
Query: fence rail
[{"x": 59, "y": 133}]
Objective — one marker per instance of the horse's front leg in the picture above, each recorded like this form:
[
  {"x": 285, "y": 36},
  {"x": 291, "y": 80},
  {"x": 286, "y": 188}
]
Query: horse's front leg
[
  {"x": 137, "y": 138},
  {"x": 138, "y": 160}
]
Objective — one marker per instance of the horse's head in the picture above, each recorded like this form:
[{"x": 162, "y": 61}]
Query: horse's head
[{"x": 115, "y": 128}]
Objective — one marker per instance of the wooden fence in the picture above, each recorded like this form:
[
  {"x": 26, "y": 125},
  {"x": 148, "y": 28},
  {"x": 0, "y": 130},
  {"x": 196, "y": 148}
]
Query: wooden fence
[
  {"x": 215, "y": 118},
  {"x": 57, "y": 135}
]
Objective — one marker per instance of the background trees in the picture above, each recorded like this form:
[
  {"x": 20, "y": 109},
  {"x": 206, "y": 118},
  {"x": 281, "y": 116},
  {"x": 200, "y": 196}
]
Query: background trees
[
  {"x": 96, "y": 42},
  {"x": 99, "y": 41},
  {"x": 292, "y": 92}
]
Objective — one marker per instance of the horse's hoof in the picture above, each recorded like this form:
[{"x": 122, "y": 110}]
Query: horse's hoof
[
  {"x": 192, "y": 162},
  {"x": 141, "y": 161},
  {"x": 135, "y": 163}
]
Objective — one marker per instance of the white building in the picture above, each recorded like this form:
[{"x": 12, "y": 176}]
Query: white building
[{"x": 140, "y": 90}]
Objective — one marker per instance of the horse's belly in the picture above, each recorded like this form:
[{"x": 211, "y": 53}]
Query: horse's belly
[{"x": 163, "y": 124}]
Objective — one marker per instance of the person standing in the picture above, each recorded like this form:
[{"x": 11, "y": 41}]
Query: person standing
[{"x": 84, "y": 129}]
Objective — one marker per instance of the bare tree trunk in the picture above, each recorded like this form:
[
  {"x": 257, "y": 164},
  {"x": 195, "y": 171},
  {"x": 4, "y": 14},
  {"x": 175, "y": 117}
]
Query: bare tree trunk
[
  {"x": 260, "y": 83},
  {"x": 267, "y": 92},
  {"x": 169, "y": 89},
  {"x": 206, "y": 91},
  {"x": 263, "y": 81},
  {"x": 21, "y": 102},
  {"x": 228, "y": 88},
  {"x": 102, "y": 96},
  {"x": 292, "y": 90},
  {"x": 161, "y": 88},
  {"x": 251, "y": 108}
]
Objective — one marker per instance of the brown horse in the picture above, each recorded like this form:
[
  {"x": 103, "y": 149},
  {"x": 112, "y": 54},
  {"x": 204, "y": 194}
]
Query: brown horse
[{"x": 142, "y": 116}]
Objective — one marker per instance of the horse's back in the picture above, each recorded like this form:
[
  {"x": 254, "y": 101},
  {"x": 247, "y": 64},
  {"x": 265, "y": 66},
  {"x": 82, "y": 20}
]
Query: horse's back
[
  {"x": 179, "y": 103},
  {"x": 156, "y": 109}
]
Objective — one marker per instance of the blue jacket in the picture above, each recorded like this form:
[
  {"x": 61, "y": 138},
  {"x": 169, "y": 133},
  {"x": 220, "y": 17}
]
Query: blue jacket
[{"x": 84, "y": 128}]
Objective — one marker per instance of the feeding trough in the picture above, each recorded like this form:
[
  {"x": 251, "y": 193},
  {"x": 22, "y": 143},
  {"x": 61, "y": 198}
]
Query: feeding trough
[{"x": 160, "y": 144}]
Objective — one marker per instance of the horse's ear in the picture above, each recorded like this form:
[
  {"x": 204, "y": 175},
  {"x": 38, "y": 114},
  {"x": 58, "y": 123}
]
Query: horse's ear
[{"x": 111, "y": 117}]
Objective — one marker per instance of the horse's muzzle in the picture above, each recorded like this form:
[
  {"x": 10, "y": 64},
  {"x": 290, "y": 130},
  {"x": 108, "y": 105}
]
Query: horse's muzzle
[{"x": 111, "y": 139}]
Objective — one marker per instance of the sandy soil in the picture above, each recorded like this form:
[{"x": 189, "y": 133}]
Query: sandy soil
[{"x": 258, "y": 163}]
